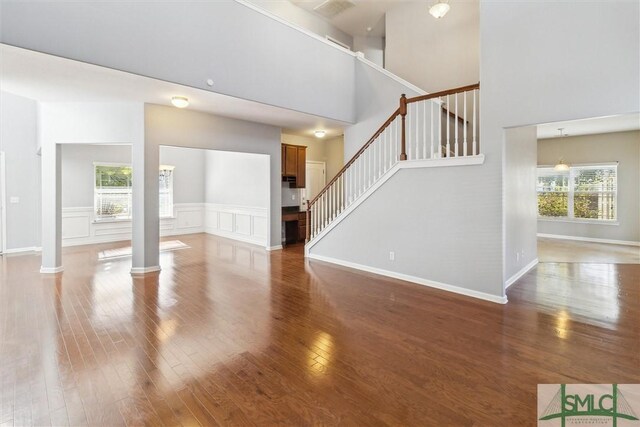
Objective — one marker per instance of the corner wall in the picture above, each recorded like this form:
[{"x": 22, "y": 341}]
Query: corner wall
[
  {"x": 520, "y": 201},
  {"x": 18, "y": 140}
]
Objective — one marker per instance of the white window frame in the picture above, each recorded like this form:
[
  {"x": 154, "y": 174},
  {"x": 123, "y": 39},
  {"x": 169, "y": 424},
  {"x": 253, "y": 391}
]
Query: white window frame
[
  {"x": 570, "y": 202},
  {"x": 172, "y": 169},
  {"x": 128, "y": 218}
]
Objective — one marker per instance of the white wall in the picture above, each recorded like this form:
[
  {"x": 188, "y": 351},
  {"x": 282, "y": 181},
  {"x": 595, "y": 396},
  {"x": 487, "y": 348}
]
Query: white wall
[
  {"x": 434, "y": 54},
  {"x": 298, "y": 16},
  {"x": 372, "y": 47},
  {"x": 621, "y": 147},
  {"x": 239, "y": 179},
  {"x": 520, "y": 200},
  {"x": 237, "y": 191},
  {"x": 18, "y": 140},
  {"x": 247, "y": 54},
  {"x": 543, "y": 62}
]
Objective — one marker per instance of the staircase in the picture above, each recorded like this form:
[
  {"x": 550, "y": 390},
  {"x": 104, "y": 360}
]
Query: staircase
[{"x": 441, "y": 126}]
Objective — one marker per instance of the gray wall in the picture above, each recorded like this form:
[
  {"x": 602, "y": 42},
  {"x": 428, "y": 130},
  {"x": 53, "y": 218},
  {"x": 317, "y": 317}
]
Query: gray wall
[
  {"x": 434, "y": 231},
  {"x": 172, "y": 126},
  {"x": 434, "y": 54},
  {"x": 188, "y": 175},
  {"x": 247, "y": 54},
  {"x": 372, "y": 47},
  {"x": 376, "y": 97},
  {"x": 239, "y": 179},
  {"x": 622, "y": 147},
  {"x": 303, "y": 18},
  {"x": 18, "y": 140},
  {"x": 520, "y": 201},
  {"x": 78, "y": 171}
]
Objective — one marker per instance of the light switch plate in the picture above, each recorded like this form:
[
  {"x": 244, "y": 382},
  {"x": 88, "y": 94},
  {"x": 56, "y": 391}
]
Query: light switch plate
[{"x": 14, "y": 199}]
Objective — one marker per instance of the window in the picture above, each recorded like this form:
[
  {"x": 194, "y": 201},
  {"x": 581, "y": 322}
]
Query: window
[
  {"x": 581, "y": 193},
  {"x": 113, "y": 191},
  {"x": 166, "y": 191}
]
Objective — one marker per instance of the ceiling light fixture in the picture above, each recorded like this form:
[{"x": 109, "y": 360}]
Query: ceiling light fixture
[
  {"x": 561, "y": 166},
  {"x": 320, "y": 133},
  {"x": 180, "y": 101},
  {"x": 439, "y": 9}
]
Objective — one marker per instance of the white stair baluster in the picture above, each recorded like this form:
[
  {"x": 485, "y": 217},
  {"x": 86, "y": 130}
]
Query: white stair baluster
[
  {"x": 455, "y": 121},
  {"x": 432, "y": 130},
  {"x": 464, "y": 126},
  {"x": 475, "y": 144},
  {"x": 448, "y": 149}
]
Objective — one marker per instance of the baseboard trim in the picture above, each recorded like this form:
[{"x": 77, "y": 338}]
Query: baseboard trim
[
  {"x": 520, "y": 273},
  {"x": 22, "y": 250},
  {"x": 51, "y": 270},
  {"x": 236, "y": 236},
  {"x": 590, "y": 239},
  {"x": 136, "y": 271},
  {"x": 274, "y": 248},
  {"x": 413, "y": 279}
]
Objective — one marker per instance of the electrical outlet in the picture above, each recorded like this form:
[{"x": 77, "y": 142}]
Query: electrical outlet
[
  {"x": 517, "y": 256},
  {"x": 392, "y": 256}
]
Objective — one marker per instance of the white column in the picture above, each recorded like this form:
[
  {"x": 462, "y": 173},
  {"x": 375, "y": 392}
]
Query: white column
[
  {"x": 51, "y": 208},
  {"x": 145, "y": 242}
]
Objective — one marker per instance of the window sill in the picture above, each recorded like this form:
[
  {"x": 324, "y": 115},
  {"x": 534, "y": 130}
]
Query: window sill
[
  {"x": 580, "y": 221},
  {"x": 109, "y": 220}
]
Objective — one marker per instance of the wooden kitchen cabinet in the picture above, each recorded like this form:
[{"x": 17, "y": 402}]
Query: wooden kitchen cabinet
[{"x": 294, "y": 163}]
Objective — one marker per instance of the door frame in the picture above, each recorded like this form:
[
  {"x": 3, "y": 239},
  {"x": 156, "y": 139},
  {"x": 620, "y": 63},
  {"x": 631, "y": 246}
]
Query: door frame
[
  {"x": 324, "y": 177},
  {"x": 3, "y": 204}
]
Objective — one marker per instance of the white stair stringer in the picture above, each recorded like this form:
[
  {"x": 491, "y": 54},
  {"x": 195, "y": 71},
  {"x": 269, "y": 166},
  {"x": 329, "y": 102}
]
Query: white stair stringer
[{"x": 407, "y": 164}]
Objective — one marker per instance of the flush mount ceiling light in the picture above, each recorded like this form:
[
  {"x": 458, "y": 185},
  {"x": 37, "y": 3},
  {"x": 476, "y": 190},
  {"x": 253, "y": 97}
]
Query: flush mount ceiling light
[
  {"x": 180, "y": 101},
  {"x": 561, "y": 166},
  {"x": 439, "y": 9},
  {"x": 320, "y": 133}
]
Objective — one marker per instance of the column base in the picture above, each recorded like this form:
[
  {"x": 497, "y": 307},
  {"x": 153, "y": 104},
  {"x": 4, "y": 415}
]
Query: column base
[
  {"x": 51, "y": 270},
  {"x": 144, "y": 270}
]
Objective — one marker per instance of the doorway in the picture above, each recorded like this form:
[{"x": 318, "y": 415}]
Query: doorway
[{"x": 316, "y": 179}]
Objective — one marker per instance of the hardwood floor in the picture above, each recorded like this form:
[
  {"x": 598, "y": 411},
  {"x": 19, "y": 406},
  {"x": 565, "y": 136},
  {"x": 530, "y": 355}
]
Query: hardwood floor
[
  {"x": 229, "y": 334},
  {"x": 559, "y": 250}
]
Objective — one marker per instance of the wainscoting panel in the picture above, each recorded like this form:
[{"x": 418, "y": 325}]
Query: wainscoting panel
[
  {"x": 79, "y": 226},
  {"x": 247, "y": 224},
  {"x": 243, "y": 223}
]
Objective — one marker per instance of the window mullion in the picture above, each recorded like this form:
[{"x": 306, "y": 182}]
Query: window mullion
[{"x": 570, "y": 201}]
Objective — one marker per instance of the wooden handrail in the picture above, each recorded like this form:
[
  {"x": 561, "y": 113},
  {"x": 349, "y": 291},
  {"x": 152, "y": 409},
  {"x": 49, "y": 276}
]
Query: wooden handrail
[
  {"x": 401, "y": 111},
  {"x": 443, "y": 93},
  {"x": 355, "y": 157}
]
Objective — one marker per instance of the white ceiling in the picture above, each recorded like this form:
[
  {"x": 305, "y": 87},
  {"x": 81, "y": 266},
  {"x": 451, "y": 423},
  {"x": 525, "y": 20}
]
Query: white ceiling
[
  {"x": 50, "y": 78},
  {"x": 355, "y": 21},
  {"x": 590, "y": 126}
]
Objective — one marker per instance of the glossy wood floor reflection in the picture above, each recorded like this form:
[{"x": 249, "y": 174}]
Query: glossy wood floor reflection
[{"x": 229, "y": 334}]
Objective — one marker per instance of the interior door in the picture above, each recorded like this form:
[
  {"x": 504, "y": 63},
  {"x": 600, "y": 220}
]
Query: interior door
[{"x": 316, "y": 179}]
